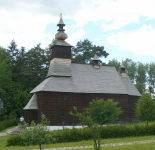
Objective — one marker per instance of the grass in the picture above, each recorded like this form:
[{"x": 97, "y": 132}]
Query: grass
[
  {"x": 141, "y": 123},
  {"x": 145, "y": 146},
  {"x": 149, "y": 146}
]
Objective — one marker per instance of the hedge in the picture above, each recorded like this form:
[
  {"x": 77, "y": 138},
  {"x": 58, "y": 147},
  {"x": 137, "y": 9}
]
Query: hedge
[
  {"x": 15, "y": 140},
  {"x": 117, "y": 131},
  {"x": 8, "y": 123}
]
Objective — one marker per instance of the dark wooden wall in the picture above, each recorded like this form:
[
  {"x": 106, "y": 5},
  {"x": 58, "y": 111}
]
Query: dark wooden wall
[
  {"x": 49, "y": 103},
  {"x": 61, "y": 52},
  {"x": 31, "y": 115},
  {"x": 131, "y": 108}
]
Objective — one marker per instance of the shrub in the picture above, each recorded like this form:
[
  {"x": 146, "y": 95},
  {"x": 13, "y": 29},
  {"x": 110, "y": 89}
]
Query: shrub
[
  {"x": 8, "y": 123},
  {"x": 74, "y": 135},
  {"x": 12, "y": 115},
  {"x": 5, "y": 117},
  {"x": 37, "y": 134},
  {"x": 15, "y": 140}
]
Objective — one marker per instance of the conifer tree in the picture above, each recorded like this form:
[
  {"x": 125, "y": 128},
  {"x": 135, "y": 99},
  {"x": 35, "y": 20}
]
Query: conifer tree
[{"x": 84, "y": 52}]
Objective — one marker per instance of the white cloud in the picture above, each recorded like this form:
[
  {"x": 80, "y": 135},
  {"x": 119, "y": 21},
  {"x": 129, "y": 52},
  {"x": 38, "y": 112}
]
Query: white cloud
[
  {"x": 140, "y": 41},
  {"x": 69, "y": 28},
  {"x": 26, "y": 29},
  {"x": 26, "y": 20},
  {"x": 115, "y": 14},
  {"x": 75, "y": 36}
]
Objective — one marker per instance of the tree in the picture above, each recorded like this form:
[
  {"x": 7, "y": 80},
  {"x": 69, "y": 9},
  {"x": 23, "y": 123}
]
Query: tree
[
  {"x": 3, "y": 54},
  {"x": 36, "y": 62},
  {"x": 20, "y": 98},
  {"x": 141, "y": 74},
  {"x": 37, "y": 133},
  {"x": 98, "y": 113},
  {"x": 85, "y": 51},
  {"x": 48, "y": 52},
  {"x": 145, "y": 109},
  {"x": 140, "y": 87},
  {"x": 52, "y": 43},
  {"x": 5, "y": 84},
  {"x": 13, "y": 52},
  {"x": 114, "y": 62},
  {"x": 131, "y": 68},
  {"x": 151, "y": 77}
]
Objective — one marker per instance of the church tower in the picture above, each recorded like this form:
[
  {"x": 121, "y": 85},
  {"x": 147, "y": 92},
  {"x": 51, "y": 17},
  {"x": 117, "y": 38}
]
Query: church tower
[{"x": 60, "y": 64}]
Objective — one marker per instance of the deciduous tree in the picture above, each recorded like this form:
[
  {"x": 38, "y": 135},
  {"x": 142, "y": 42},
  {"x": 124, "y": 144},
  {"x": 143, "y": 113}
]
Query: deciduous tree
[
  {"x": 37, "y": 133},
  {"x": 151, "y": 77},
  {"x": 141, "y": 74},
  {"x": 145, "y": 109},
  {"x": 98, "y": 113},
  {"x": 131, "y": 68},
  {"x": 114, "y": 62}
]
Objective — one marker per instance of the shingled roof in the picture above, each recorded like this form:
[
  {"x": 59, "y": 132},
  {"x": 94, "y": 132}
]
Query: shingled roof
[
  {"x": 86, "y": 79},
  {"x": 32, "y": 104},
  {"x": 62, "y": 43}
]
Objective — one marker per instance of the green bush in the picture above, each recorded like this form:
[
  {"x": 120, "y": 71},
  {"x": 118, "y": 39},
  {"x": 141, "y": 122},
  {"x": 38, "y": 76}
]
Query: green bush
[
  {"x": 74, "y": 135},
  {"x": 12, "y": 115},
  {"x": 8, "y": 123},
  {"x": 15, "y": 140}
]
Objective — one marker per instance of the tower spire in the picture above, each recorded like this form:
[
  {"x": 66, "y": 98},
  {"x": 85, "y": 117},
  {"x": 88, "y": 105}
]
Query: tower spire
[
  {"x": 61, "y": 21},
  {"x": 61, "y": 35},
  {"x": 95, "y": 61},
  {"x": 122, "y": 68}
]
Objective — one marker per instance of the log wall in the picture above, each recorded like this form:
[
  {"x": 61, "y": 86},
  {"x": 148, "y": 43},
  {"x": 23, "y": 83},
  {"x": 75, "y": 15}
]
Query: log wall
[{"x": 50, "y": 103}]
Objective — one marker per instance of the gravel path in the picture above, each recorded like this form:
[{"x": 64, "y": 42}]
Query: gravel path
[
  {"x": 3, "y": 134},
  {"x": 103, "y": 145}
]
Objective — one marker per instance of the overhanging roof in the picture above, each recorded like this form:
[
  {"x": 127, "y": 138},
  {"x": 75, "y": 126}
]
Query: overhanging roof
[
  {"x": 32, "y": 104},
  {"x": 86, "y": 79}
]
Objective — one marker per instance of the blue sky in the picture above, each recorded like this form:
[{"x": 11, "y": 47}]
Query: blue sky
[{"x": 126, "y": 28}]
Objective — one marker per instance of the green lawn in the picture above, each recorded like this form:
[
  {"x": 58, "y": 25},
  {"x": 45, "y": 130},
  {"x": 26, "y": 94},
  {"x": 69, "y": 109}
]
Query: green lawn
[
  {"x": 149, "y": 146},
  {"x": 145, "y": 146}
]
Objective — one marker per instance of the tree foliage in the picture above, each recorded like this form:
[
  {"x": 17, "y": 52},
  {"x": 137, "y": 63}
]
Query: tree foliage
[
  {"x": 98, "y": 113},
  {"x": 145, "y": 109},
  {"x": 141, "y": 74},
  {"x": 151, "y": 77},
  {"x": 140, "y": 87},
  {"x": 85, "y": 51},
  {"x": 37, "y": 134},
  {"x": 35, "y": 62},
  {"x": 131, "y": 69},
  {"x": 3, "y": 54},
  {"x": 21, "y": 71},
  {"x": 114, "y": 62}
]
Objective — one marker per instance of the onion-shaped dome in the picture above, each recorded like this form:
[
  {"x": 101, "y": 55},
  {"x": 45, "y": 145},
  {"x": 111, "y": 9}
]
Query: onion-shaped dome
[{"x": 61, "y": 35}]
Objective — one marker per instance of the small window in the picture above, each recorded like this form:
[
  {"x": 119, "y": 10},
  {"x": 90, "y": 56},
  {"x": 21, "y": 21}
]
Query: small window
[
  {"x": 130, "y": 112},
  {"x": 61, "y": 112},
  {"x": 65, "y": 97}
]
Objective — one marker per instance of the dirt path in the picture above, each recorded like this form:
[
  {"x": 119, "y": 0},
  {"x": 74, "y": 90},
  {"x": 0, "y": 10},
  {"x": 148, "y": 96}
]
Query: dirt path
[
  {"x": 103, "y": 145},
  {"x": 3, "y": 134}
]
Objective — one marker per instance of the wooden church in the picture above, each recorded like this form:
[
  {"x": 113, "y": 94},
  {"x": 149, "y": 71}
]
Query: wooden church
[{"x": 70, "y": 84}]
